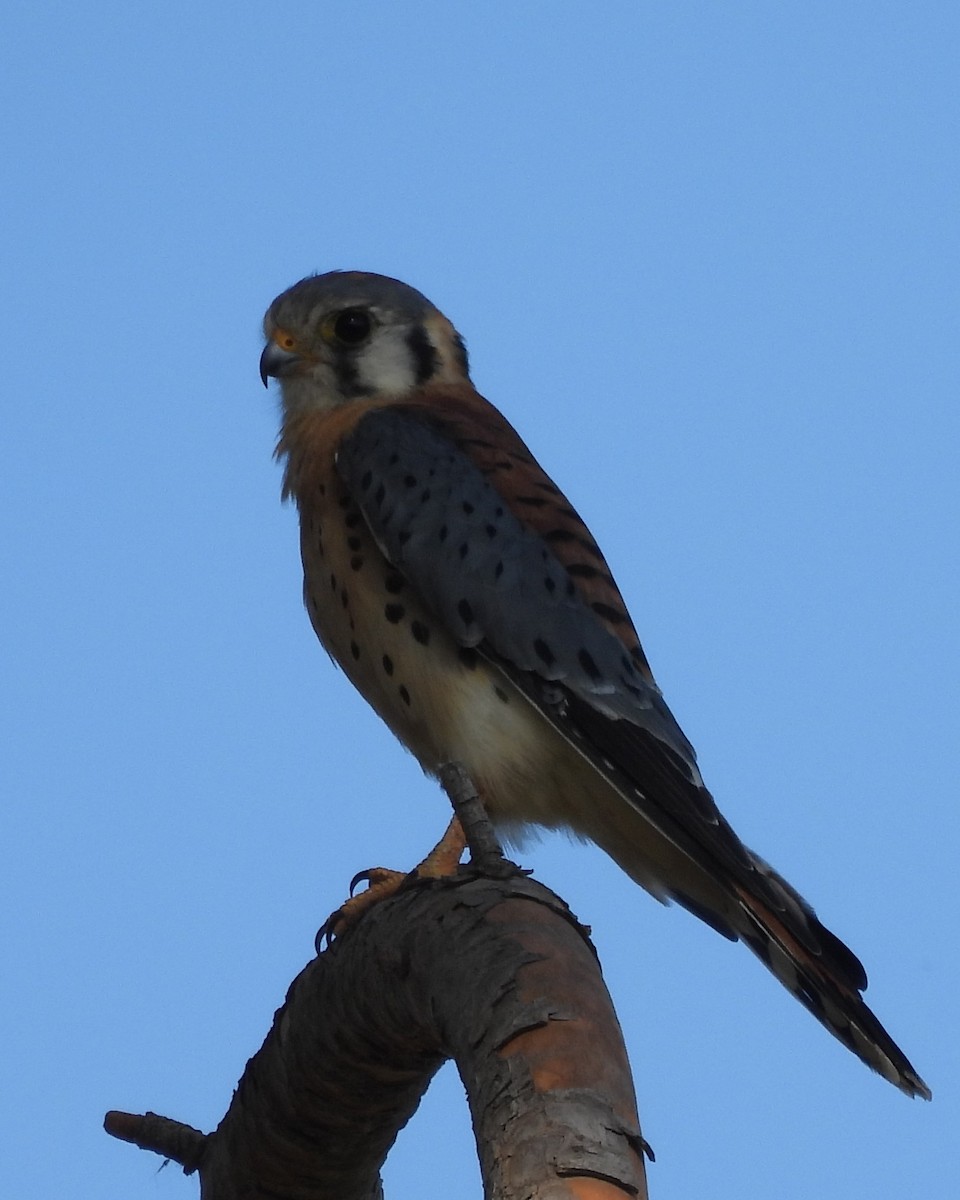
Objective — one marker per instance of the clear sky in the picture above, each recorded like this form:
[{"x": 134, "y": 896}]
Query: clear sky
[{"x": 705, "y": 257}]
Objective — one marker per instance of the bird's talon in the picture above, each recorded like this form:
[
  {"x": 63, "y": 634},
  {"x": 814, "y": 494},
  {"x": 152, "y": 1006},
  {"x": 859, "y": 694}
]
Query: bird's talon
[
  {"x": 378, "y": 877},
  {"x": 372, "y": 876},
  {"x": 382, "y": 882},
  {"x": 324, "y": 936}
]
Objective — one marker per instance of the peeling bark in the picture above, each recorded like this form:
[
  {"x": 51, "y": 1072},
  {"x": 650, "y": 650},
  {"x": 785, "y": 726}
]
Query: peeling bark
[{"x": 494, "y": 973}]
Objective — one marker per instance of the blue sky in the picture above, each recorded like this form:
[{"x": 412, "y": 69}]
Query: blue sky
[{"x": 706, "y": 258}]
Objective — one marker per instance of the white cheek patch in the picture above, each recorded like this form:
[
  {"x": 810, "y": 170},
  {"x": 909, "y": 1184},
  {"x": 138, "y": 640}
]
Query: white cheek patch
[{"x": 387, "y": 364}]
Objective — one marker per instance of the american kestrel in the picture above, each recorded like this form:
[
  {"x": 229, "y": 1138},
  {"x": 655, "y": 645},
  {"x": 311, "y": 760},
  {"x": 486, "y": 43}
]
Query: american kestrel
[{"x": 456, "y": 586}]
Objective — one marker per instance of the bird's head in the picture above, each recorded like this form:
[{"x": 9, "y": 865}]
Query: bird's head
[{"x": 348, "y": 335}]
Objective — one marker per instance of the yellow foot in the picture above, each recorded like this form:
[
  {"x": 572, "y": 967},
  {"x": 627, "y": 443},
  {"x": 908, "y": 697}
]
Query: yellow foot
[
  {"x": 382, "y": 884},
  {"x": 442, "y": 860},
  {"x": 445, "y": 857}
]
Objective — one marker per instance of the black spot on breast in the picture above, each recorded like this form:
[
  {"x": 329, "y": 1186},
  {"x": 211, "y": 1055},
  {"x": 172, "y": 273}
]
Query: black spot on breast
[
  {"x": 585, "y": 659},
  {"x": 501, "y": 694},
  {"x": 353, "y": 519},
  {"x": 491, "y": 531},
  {"x": 379, "y": 495},
  {"x": 393, "y": 459},
  {"x": 467, "y": 507},
  {"x": 404, "y": 537},
  {"x": 463, "y": 551},
  {"x": 420, "y": 633},
  {"x": 333, "y": 582},
  {"x": 344, "y": 598},
  {"x": 550, "y": 584},
  {"x": 387, "y": 664},
  {"x": 442, "y": 535},
  {"x": 356, "y": 562},
  {"x": 404, "y": 695},
  {"x": 394, "y": 583},
  {"x": 322, "y": 489},
  {"x": 425, "y": 495},
  {"x": 393, "y": 613},
  {"x": 465, "y": 612},
  {"x": 354, "y": 543},
  {"x": 468, "y": 657},
  {"x": 409, "y": 481},
  {"x": 498, "y": 570},
  {"x": 543, "y": 652},
  {"x": 355, "y": 650}
]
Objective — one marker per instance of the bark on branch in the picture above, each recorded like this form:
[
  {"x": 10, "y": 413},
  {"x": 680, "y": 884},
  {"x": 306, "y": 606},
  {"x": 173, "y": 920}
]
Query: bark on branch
[{"x": 494, "y": 973}]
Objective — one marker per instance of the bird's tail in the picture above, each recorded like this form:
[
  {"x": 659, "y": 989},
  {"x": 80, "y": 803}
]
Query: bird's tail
[{"x": 824, "y": 975}]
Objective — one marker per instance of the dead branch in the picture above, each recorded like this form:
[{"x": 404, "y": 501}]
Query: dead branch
[{"x": 494, "y": 973}]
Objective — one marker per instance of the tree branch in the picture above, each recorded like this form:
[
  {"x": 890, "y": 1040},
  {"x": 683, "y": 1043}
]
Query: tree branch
[{"x": 495, "y": 973}]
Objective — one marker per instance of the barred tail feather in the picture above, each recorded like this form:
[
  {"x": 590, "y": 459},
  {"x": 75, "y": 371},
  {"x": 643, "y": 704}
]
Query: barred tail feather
[{"x": 829, "y": 985}]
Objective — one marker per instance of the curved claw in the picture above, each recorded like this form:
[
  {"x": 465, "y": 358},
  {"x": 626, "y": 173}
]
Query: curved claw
[
  {"x": 360, "y": 877},
  {"x": 382, "y": 883},
  {"x": 363, "y": 877},
  {"x": 377, "y": 877},
  {"x": 325, "y": 935}
]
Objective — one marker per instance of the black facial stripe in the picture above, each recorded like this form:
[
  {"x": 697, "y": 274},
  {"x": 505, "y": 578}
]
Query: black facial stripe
[
  {"x": 348, "y": 377},
  {"x": 423, "y": 352}
]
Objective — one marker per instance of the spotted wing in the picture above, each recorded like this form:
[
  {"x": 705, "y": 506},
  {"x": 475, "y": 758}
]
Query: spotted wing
[
  {"x": 499, "y": 585},
  {"x": 492, "y": 580}
]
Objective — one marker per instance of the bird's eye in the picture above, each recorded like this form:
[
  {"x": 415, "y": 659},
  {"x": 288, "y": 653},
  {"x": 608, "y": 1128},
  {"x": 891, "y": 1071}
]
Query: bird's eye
[{"x": 352, "y": 326}]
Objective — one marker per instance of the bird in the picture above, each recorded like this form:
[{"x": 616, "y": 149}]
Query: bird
[{"x": 464, "y": 597}]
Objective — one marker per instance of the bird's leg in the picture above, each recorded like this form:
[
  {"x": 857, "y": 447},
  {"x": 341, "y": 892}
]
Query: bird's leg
[
  {"x": 469, "y": 827},
  {"x": 486, "y": 854}
]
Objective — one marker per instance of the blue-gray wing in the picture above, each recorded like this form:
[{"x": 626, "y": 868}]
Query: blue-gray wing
[{"x": 494, "y": 582}]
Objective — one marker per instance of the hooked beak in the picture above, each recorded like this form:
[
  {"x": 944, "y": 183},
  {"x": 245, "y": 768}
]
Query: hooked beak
[{"x": 275, "y": 362}]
